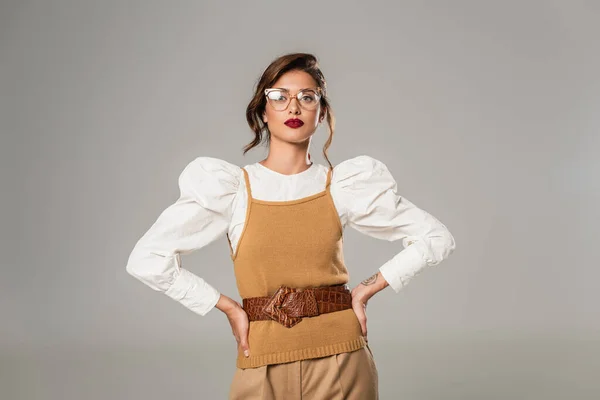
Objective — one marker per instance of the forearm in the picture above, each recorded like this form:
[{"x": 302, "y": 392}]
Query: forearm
[
  {"x": 374, "y": 284},
  {"x": 227, "y": 304}
]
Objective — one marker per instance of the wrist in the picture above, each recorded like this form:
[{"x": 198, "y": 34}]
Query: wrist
[
  {"x": 381, "y": 282},
  {"x": 375, "y": 283},
  {"x": 227, "y": 304}
]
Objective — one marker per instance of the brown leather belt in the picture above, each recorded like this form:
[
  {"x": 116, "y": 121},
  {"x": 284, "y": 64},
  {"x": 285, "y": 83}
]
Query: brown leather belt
[{"x": 289, "y": 305}]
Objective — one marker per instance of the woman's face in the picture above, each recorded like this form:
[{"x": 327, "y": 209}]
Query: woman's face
[{"x": 275, "y": 120}]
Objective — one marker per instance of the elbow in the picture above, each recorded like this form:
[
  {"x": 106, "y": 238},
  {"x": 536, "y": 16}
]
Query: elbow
[
  {"x": 133, "y": 269},
  {"x": 152, "y": 270},
  {"x": 440, "y": 247},
  {"x": 446, "y": 245},
  {"x": 134, "y": 266},
  {"x": 450, "y": 243}
]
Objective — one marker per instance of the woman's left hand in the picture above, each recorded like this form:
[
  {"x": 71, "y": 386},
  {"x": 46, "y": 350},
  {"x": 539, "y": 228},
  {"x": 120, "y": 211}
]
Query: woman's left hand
[{"x": 360, "y": 296}]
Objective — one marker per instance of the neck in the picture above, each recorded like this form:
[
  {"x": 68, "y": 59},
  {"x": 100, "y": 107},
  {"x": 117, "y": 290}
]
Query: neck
[{"x": 287, "y": 158}]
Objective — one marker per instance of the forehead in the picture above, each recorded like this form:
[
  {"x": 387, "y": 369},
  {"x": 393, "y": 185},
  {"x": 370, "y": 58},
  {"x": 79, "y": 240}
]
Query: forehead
[{"x": 295, "y": 80}]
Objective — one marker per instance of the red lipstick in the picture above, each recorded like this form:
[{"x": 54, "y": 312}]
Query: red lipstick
[{"x": 294, "y": 123}]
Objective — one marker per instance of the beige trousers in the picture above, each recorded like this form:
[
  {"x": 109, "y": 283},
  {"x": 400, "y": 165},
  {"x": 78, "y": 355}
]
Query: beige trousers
[{"x": 344, "y": 376}]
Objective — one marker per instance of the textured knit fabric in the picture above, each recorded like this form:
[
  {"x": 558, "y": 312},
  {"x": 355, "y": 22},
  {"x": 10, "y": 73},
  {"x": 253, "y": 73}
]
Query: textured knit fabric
[{"x": 296, "y": 243}]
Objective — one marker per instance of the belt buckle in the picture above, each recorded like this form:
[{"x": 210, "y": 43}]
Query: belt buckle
[{"x": 289, "y": 305}]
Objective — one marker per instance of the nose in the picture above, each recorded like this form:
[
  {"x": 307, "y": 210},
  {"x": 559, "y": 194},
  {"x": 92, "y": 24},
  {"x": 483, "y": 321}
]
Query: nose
[{"x": 294, "y": 107}]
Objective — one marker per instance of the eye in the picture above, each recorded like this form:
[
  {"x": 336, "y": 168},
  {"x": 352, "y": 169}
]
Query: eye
[
  {"x": 277, "y": 95},
  {"x": 308, "y": 97}
]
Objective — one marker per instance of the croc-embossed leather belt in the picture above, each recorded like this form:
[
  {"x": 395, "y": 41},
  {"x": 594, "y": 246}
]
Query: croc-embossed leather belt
[{"x": 289, "y": 305}]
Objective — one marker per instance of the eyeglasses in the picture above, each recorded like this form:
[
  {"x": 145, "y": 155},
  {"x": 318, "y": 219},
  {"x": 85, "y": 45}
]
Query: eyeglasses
[{"x": 280, "y": 98}]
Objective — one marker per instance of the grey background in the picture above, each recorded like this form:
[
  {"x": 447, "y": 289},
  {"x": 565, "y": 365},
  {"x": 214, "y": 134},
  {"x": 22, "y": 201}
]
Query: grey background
[{"x": 485, "y": 112}]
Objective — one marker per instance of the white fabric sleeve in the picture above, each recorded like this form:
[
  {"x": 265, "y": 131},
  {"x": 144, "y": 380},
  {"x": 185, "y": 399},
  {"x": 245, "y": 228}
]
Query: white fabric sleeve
[
  {"x": 369, "y": 195},
  {"x": 200, "y": 215}
]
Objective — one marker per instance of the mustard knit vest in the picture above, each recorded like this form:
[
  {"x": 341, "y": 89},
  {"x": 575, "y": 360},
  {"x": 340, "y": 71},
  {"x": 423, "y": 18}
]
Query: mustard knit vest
[{"x": 297, "y": 243}]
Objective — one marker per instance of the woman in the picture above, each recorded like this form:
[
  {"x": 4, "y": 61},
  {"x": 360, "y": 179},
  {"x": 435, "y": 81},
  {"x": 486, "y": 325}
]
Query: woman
[{"x": 300, "y": 331}]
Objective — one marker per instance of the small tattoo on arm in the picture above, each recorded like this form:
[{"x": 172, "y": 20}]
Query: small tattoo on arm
[{"x": 370, "y": 280}]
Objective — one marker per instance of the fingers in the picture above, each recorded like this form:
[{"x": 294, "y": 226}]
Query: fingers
[
  {"x": 362, "y": 319},
  {"x": 363, "y": 325},
  {"x": 244, "y": 346},
  {"x": 240, "y": 327},
  {"x": 359, "y": 303},
  {"x": 244, "y": 339}
]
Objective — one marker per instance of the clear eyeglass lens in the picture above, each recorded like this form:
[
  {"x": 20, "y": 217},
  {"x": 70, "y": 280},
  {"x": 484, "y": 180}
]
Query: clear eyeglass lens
[{"x": 279, "y": 99}]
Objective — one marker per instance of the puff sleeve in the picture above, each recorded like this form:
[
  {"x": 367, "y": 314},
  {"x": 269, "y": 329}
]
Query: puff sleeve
[
  {"x": 369, "y": 196},
  {"x": 199, "y": 216}
]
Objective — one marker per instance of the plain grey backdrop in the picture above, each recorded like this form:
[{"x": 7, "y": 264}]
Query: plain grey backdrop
[{"x": 486, "y": 112}]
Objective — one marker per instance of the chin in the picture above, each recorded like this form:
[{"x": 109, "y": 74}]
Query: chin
[{"x": 294, "y": 135}]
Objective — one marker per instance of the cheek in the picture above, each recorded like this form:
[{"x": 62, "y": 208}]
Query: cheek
[
  {"x": 270, "y": 115},
  {"x": 313, "y": 117}
]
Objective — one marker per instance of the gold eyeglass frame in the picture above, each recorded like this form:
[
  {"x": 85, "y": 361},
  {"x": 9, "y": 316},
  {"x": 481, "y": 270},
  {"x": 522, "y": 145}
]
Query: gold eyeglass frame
[{"x": 317, "y": 91}]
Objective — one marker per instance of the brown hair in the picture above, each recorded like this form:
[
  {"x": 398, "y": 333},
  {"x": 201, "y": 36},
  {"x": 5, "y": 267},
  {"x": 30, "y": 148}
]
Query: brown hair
[{"x": 289, "y": 62}]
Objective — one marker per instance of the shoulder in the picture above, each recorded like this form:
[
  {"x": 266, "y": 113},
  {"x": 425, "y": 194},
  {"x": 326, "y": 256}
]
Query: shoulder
[
  {"x": 209, "y": 176},
  {"x": 360, "y": 172},
  {"x": 363, "y": 187}
]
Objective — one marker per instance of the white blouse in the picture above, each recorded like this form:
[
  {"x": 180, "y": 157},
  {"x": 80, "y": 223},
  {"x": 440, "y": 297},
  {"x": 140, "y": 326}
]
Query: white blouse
[{"x": 213, "y": 201}]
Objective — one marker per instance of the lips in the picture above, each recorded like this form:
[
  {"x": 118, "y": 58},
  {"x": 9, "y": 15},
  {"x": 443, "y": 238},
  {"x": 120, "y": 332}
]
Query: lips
[{"x": 294, "y": 123}]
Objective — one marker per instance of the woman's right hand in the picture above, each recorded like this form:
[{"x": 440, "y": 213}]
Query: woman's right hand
[{"x": 238, "y": 319}]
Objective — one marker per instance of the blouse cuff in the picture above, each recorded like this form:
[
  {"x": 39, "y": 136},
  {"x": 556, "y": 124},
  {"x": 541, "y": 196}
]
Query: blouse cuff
[
  {"x": 193, "y": 292},
  {"x": 403, "y": 267}
]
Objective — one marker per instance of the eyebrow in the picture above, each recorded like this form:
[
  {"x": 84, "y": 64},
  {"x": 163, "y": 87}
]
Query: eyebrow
[{"x": 298, "y": 89}]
